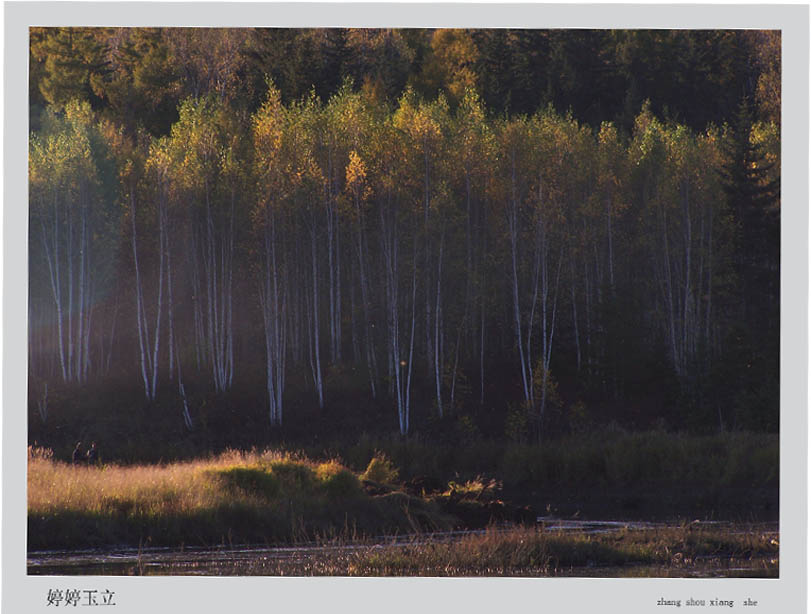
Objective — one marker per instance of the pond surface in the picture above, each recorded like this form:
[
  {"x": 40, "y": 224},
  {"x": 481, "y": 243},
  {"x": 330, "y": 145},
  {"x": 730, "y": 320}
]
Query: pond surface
[{"x": 229, "y": 560}]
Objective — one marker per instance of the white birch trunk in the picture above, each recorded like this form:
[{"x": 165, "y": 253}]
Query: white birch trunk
[
  {"x": 319, "y": 385},
  {"x": 437, "y": 319},
  {"x": 78, "y": 370},
  {"x": 574, "y": 311},
  {"x": 69, "y": 263},
  {"x": 139, "y": 303},
  {"x": 513, "y": 229},
  {"x": 159, "y": 304},
  {"x": 170, "y": 306},
  {"x": 52, "y": 257},
  {"x": 686, "y": 325},
  {"x": 405, "y": 417},
  {"x": 364, "y": 291}
]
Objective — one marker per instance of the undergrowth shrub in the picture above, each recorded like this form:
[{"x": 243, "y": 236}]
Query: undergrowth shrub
[
  {"x": 293, "y": 475},
  {"x": 252, "y": 480},
  {"x": 480, "y": 488},
  {"x": 750, "y": 462},
  {"x": 338, "y": 482},
  {"x": 516, "y": 427},
  {"x": 640, "y": 459},
  {"x": 659, "y": 457},
  {"x": 522, "y": 464},
  {"x": 381, "y": 470}
]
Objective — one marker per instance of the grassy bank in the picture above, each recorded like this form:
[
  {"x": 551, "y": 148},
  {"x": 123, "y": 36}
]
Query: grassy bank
[
  {"x": 276, "y": 496},
  {"x": 234, "y": 497}
]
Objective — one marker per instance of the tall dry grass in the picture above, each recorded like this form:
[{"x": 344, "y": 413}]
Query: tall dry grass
[
  {"x": 55, "y": 486},
  {"x": 233, "y": 497}
]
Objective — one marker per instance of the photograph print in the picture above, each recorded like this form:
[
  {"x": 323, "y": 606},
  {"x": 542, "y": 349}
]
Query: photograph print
[{"x": 403, "y": 302}]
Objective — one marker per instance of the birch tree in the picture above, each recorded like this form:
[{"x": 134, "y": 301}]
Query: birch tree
[
  {"x": 512, "y": 188},
  {"x": 307, "y": 185},
  {"x": 268, "y": 132},
  {"x": 205, "y": 170},
  {"x": 72, "y": 215},
  {"x": 355, "y": 119},
  {"x": 555, "y": 158},
  {"x": 422, "y": 125}
]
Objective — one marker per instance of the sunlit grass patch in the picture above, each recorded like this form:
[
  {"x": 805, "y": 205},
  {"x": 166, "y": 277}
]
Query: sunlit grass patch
[
  {"x": 381, "y": 470},
  {"x": 337, "y": 481},
  {"x": 479, "y": 488},
  {"x": 245, "y": 497}
]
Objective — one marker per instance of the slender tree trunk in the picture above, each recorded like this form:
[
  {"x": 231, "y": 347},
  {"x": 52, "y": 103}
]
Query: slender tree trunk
[
  {"x": 210, "y": 259},
  {"x": 338, "y": 315},
  {"x": 197, "y": 308},
  {"x": 669, "y": 293},
  {"x": 170, "y": 306},
  {"x": 112, "y": 339},
  {"x": 319, "y": 386},
  {"x": 482, "y": 294},
  {"x": 688, "y": 238},
  {"x": 52, "y": 258},
  {"x": 353, "y": 312},
  {"x": 159, "y": 305},
  {"x": 437, "y": 319},
  {"x": 513, "y": 229},
  {"x": 82, "y": 280},
  {"x": 143, "y": 333},
  {"x": 548, "y": 341},
  {"x": 273, "y": 321},
  {"x": 331, "y": 268},
  {"x": 69, "y": 262},
  {"x": 707, "y": 316},
  {"x": 230, "y": 303},
  {"x": 404, "y": 420},
  {"x": 540, "y": 256},
  {"x": 610, "y": 245},
  {"x": 365, "y": 298},
  {"x": 574, "y": 311}
]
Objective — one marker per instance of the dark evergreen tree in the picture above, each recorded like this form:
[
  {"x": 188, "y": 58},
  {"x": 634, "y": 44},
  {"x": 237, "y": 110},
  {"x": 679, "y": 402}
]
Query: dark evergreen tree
[
  {"x": 494, "y": 68},
  {"x": 142, "y": 85},
  {"x": 73, "y": 61},
  {"x": 752, "y": 194},
  {"x": 753, "y": 345},
  {"x": 531, "y": 80}
]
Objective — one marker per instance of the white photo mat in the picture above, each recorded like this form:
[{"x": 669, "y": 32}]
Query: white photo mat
[{"x": 27, "y": 594}]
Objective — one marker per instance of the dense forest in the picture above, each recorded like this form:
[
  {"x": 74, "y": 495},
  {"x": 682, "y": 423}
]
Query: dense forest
[{"x": 459, "y": 233}]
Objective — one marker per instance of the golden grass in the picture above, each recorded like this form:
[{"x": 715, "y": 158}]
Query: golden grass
[
  {"x": 381, "y": 470},
  {"x": 154, "y": 489},
  {"x": 248, "y": 497},
  {"x": 480, "y": 488}
]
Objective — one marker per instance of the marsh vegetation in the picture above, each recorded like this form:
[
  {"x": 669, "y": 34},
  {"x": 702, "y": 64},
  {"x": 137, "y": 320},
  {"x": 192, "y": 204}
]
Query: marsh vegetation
[{"x": 279, "y": 513}]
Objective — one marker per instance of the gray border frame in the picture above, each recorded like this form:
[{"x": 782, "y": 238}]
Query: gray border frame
[{"x": 23, "y": 593}]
